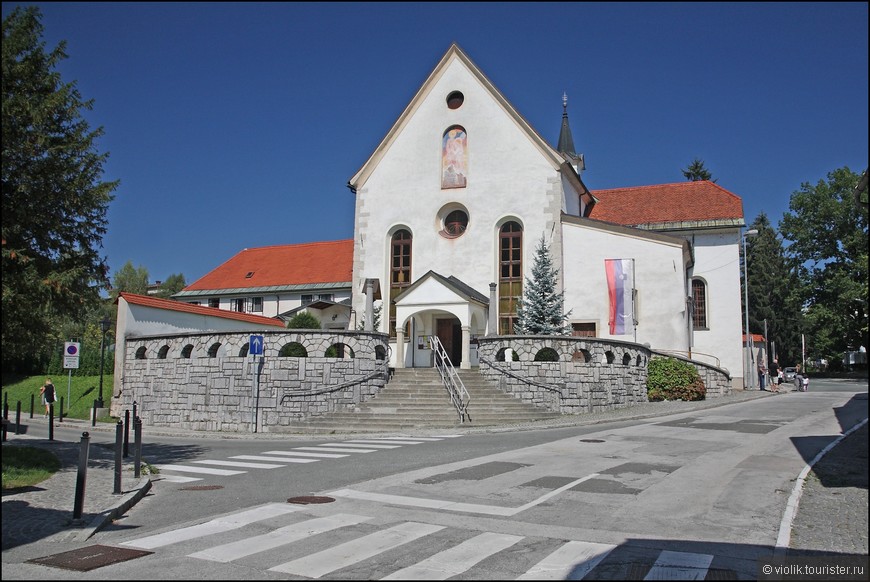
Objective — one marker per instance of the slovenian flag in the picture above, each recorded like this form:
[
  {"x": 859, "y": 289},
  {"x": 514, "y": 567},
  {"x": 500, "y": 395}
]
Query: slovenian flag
[{"x": 620, "y": 288}]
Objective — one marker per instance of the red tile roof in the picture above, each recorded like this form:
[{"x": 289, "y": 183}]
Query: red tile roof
[
  {"x": 667, "y": 203},
  {"x": 299, "y": 264},
  {"x": 157, "y": 303}
]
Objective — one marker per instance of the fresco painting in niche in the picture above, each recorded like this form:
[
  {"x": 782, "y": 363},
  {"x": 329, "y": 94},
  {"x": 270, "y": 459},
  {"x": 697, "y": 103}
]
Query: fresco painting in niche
[{"x": 454, "y": 158}]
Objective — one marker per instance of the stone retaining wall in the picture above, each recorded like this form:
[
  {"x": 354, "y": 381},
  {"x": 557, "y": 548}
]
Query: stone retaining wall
[
  {"x": 206, "y": 381},
  {"x": 590, "y": 374},
  {"x": 213, "y": 388}
]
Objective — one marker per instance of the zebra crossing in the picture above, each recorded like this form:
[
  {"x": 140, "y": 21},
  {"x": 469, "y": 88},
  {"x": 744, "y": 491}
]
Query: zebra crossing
[
  {"x": 239, "y": 464},
  {"x": 352, "y": 546}
]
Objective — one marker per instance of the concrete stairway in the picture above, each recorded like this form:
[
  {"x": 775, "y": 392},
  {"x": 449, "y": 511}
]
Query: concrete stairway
[{"x": 415, "y": 398}]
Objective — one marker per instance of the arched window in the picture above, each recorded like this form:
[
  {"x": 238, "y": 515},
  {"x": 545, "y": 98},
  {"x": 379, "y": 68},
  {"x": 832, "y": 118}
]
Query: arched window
[
  {"x": 510, "y": 275},
  {"x": 699, "y": 304},
  {"x": 339, "y": 350},
  {"x": 400, "y": 271},
  {"x": 454, "y": 158},
  {"x": 140, "y": 353},
  {"x": 243, "y": 352},
  {"x": 380, "y": 353},
  {"x": 164, "y": 351},
  {"x": 213, "y": 350},
  {"x": 626, "y": 359},
  {"x": 187, "y": 351}
]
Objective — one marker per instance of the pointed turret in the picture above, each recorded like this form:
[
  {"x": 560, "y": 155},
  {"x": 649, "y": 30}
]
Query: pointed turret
[{"x": 566, "y": 141}]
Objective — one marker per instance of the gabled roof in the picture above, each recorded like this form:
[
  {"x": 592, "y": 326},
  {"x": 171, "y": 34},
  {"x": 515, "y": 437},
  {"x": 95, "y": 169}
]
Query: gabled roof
[
  {"x": 679, "y": 205},
  {"x": 168, "y": 304},
  {"x": 327, "y": 263},
  {"x": 465, "y": 291},
  {"x": 453, "y": 53}
]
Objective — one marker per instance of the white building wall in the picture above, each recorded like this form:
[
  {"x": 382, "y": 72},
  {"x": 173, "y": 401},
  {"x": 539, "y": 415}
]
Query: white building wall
[
  {"x": 717, "y": 262},
  {"x": 274, "y": 304},
  {"x": 508, "y": 177},
  {"x": 659, "y": 280}
]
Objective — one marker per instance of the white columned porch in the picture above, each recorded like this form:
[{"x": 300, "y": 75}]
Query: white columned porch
[
  {"x": 466, "y": 348},
  {"x": 400, "y": 347}
]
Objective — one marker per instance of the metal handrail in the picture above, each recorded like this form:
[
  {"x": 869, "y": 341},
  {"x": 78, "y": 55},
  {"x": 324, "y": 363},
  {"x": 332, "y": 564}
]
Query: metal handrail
[{"x": 452, "y": 382}]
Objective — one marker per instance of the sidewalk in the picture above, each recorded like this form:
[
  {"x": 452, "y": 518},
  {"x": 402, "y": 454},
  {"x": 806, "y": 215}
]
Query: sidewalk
[{"x": 831, "y": 516}]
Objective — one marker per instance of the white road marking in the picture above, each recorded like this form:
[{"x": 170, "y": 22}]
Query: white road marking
[
  {"x": 457, "y": 559},
  {"x": 346, "y": 554},
  {"x": 574, "y": 559}
]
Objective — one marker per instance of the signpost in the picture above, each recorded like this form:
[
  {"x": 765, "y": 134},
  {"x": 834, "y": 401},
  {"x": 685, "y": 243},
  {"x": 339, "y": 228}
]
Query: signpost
[
  {"x": 255, "y": 349},
  {"x": 71, "y": 352}
]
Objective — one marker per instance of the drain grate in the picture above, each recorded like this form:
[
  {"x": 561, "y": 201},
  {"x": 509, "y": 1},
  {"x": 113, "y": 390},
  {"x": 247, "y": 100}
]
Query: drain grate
[
  {"x": 306, "y": 499},
  {"x": 591, "y": 441},
  {"x": 201, "y": 488},
  {"x": 90, "y": 558}
]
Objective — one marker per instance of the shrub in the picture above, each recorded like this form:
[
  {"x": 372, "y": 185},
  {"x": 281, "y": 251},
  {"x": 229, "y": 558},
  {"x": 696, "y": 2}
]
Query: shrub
[
  {"x": 672, "y": 379},
  {"x": 303, "y": 320}
]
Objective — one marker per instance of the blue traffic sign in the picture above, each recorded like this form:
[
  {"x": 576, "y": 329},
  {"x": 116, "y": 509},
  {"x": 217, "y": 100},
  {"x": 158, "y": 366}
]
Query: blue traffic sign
[{"x": 255, "y": 348}]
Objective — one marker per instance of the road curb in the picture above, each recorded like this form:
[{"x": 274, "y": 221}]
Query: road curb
[{"x": 129, "y": 500}]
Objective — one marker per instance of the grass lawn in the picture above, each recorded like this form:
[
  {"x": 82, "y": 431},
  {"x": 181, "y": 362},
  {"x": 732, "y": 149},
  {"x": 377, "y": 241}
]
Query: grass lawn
[
  {"x": 27, "y": 466},
  {"x": 78, "y": 392}
]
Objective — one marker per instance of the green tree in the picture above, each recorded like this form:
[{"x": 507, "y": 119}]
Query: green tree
[
  {"x": 774, "y": 293},
  {"x": 130, "y": 279},
  {"x": 172, "y": 285},
  {"x": 542, "y": 309},
  {"x": 303, "y": 320},
  {"x": 54, "y": 199},
  {"x": 697, "y": 172},
  {"x": 828, "y": 236}
]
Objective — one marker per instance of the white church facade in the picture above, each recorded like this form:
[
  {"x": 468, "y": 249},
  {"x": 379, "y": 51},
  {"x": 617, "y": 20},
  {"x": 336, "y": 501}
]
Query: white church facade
[{"x": 449, "y": 210}]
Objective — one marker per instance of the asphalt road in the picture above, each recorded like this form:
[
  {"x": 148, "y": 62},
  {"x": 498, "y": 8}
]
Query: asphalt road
[{"x": 700, "y": 492}]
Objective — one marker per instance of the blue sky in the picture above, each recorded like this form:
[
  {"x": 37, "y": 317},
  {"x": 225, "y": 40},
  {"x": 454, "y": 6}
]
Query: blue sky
[{"x": 238, "y": 125}]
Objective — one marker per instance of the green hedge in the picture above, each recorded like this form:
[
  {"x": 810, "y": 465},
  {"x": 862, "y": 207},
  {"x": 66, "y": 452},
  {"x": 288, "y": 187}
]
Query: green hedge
[{"x": 672, "y": 379}]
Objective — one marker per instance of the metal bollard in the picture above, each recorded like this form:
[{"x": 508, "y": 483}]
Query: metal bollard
[
  {"x": 94, "y": 414},
  {"x": 126, "y": 433},
  {"x": 18, "y": 418},
  {"x": 137, "y": 447},
  {"x": 51, "y": 421},
  {"x": 60, "y": 415},
  {"x": 6, "y": 410},
  {"x": 81, "y": 476},
  {"x": 31, "y": 405},
  {"x": 119, "y": 430},
  {"x": 135, "y": 416}
]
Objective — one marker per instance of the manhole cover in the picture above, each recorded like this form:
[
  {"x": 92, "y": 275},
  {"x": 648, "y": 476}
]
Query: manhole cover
[
  {"x": 306, "y": 499},
  {"x": 201, "y": 488},
  {"x": 90, "y": 558},
  {"x": 591, "y": 441}
]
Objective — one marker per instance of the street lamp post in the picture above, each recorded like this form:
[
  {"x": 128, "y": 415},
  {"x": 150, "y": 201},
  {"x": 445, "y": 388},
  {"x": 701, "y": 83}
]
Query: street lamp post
[
  {"x": 748, "y": 372},
  {"x": 105, "y": 325}
]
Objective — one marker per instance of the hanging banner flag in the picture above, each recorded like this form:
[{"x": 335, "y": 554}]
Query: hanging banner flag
[{"x": 620, "y": 288}]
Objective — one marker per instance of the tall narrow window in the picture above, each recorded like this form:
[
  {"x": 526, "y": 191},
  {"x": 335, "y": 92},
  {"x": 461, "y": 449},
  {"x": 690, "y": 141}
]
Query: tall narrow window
[
  {"x": 257, "y": 304},
  {"x": 400, "y": 271},
  {"x": 699, "y": 304},
  {"x": 454, "y": 158},
  {"x": 239, "y": 305},
  {"x": 510, "y": 276}
]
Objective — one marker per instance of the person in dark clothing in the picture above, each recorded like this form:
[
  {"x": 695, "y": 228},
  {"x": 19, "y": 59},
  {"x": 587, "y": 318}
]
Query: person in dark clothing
[
  {"x": 48, "y": 394},
  {"x": 774, "y": 372}
]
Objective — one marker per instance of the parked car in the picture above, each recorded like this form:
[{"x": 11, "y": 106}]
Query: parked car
[{"x": 788, "y": 374}]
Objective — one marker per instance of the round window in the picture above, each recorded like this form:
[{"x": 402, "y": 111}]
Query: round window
[
  {"x": 455, "y": 223},
  {"x": 455, "y": 100}
]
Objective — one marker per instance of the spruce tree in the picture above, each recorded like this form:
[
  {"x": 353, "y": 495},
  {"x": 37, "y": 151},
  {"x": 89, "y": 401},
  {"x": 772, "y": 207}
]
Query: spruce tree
[
  {"x": 54, "y": 198},
  {"x": 541, "y": 311}
]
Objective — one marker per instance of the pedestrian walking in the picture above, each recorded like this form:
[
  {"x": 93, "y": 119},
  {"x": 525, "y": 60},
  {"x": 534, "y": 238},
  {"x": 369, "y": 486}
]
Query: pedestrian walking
[
  {"x": 774, "y": 372},
  {"x": 49, "y": 394},
  {"x": 762, "y": 374}
]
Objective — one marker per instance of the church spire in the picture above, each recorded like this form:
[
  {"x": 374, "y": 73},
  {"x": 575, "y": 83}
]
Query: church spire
[{"x": 566, "y": 141}]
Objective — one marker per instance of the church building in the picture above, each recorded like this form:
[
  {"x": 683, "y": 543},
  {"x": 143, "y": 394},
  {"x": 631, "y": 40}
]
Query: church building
[{"x": 453, "y": 203}]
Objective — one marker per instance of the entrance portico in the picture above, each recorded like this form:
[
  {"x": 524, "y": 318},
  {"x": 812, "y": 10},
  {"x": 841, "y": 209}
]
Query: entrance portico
[{"x": 444, "y": 307}]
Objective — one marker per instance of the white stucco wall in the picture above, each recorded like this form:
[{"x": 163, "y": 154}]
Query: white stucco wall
[
  {"x": 717, "y": 262},
  {"x": 508, "y": 177},
  {"x": 659, "y": 280},
  {"x": 273, "y": 303}
]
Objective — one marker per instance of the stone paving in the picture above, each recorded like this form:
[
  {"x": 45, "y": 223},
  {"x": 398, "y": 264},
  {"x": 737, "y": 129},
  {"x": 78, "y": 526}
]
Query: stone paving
[{"x": 831, "y": 517}]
